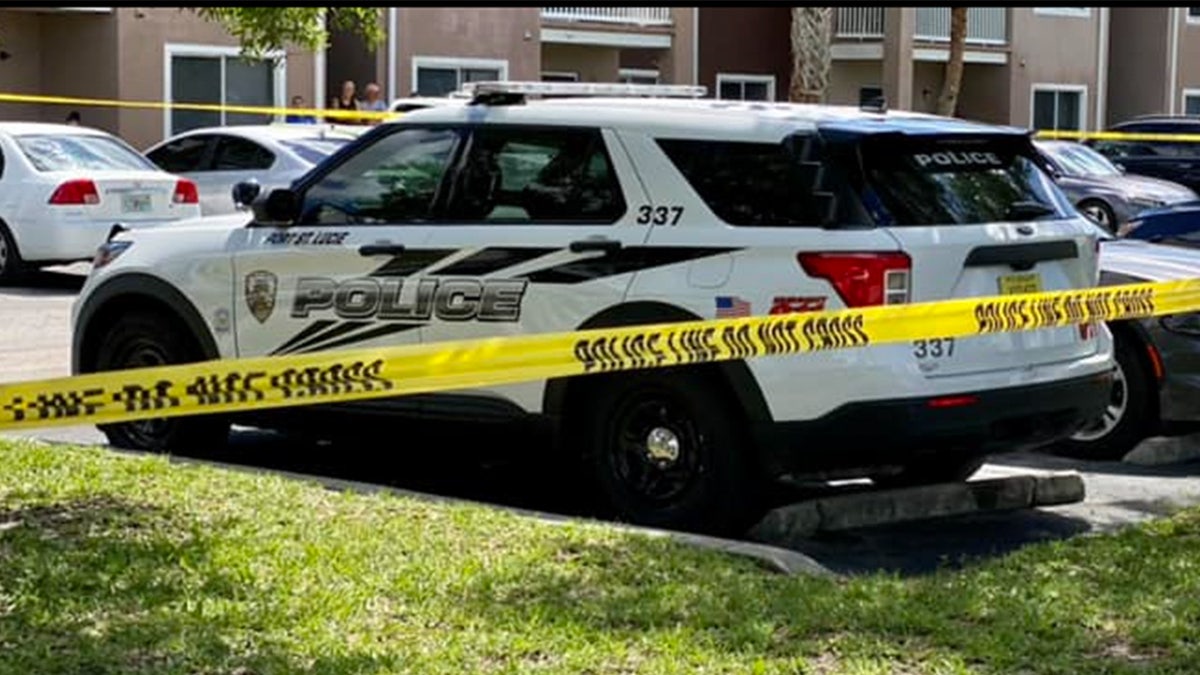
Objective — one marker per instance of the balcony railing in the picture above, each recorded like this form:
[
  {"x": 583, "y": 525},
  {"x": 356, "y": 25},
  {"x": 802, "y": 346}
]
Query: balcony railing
[
  {"x": 631, "y": 16},
  {"x": 859, "y": 22},
  {"x": 985, "y": 25}
]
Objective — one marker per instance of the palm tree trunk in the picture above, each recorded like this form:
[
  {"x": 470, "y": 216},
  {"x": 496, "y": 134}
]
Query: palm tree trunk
[
  {"x": 952, "y": 82},
  {"x": 812, "y": 28}
]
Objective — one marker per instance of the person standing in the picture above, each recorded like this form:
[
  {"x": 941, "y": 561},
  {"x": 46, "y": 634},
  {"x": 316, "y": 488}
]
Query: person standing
[
  {"x": 374, "y": 102},
  {"x": 346, "y": 101},
  {"x": 296, "y": 118}
]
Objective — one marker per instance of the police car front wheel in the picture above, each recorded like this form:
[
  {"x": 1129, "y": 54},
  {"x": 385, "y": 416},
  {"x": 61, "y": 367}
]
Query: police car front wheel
[
  {"x": 147, "y": 339},
  {"x": 665, "y": 451}
]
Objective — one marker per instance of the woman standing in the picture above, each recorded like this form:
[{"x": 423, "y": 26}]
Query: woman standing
[{"x": 346, "y": 101}]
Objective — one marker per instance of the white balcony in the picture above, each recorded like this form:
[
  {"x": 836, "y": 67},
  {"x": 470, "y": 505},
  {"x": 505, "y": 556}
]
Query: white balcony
[
  {"x": 616, "y": 16},
  {"x": 986, "y": 26}
]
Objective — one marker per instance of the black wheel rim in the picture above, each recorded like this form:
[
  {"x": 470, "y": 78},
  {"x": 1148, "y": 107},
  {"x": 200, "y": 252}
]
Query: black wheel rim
[
  {"x": 656, "y": 448},
  {"x": 145, "y": 354}
]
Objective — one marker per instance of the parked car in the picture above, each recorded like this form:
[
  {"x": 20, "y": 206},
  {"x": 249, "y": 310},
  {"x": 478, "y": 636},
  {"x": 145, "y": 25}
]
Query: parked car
[
  {"x": 1177, "y": 223},
  {"x": 1176, "y": 161},
  {"x": 1101, "y": 190},
  {"x": 273, "y": 155},
  {"x": 524, "y": 217},
  {"x": 62, "y": 188},
  {"x": 1158, "y": 359}
]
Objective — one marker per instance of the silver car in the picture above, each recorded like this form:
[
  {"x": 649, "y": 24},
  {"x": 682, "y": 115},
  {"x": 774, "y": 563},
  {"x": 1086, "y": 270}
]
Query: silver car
[
  {"x": 218, "y": 158},
  {"x": 1102, "y": 190}
]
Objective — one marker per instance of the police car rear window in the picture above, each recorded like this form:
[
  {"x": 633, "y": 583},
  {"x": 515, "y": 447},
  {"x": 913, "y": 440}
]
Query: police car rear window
[{"x": 953, "y": 182}]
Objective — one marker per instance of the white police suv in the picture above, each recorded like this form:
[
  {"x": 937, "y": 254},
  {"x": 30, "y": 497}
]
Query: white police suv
[{"x": 635, "y": 205}]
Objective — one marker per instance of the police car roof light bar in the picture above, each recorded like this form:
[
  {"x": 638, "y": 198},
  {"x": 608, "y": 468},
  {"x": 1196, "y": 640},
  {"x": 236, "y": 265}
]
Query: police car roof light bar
[{"x": 509, "y": 92}]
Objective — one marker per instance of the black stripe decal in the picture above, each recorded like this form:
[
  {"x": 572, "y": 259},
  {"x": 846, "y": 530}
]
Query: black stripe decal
[
  {"x": 340, "y": 329},
  {"x": 623, "y": 261},
  {"x": 309, "y": 330},
  {"x": 491, "y": 260},
  {"x": 412, "y": 261},
  {"x": 377, "y": 331}
]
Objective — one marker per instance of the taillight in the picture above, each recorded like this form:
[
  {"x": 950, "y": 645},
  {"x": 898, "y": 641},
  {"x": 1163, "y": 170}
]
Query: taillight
[
  {"x": 76, "y": 193},
  {"x": 862, "y": 279},
  {"x": 186, "y": 192}
]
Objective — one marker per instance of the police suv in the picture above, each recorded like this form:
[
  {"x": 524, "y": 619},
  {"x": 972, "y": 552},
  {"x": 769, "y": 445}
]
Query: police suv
[{"x": 613, "y": 205}]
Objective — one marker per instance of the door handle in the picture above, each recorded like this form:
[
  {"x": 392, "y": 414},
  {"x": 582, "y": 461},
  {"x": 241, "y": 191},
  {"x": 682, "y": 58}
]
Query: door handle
[
  {"x": 380, "y": 249},
  {"x": 606, "y": 245}
]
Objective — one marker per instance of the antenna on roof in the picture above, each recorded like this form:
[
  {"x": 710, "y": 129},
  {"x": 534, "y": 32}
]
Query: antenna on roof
[{"x": 510, "y": 93}]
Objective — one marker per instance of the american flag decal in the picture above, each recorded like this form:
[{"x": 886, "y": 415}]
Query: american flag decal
[{"x": 730, "y": 307}]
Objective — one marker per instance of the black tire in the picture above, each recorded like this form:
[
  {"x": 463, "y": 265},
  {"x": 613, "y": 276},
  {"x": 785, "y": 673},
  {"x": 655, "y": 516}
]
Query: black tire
[
  {"x": 707, "y": 486},
  {"x": 1131, "y": 415},
  {"x": 936, "y": 469},
  {"x": 12, "y": 266},
  {"x": 1100, "y": 213},
  {"x": 149, "y": 339}
]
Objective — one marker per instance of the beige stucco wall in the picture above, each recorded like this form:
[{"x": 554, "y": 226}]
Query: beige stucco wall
[
  {"x": 1138, "y": 62},
  {"x": 1051, "y": 50},
  {"x": 64, "y": 73},
  {"x": 593, "y": 64},
  {"x": 509, "y": 33},
  {"x": 984, "y": 93},
  {"x": 1188, "y": 74},
  {"x": 21, "y": 72},
  {"x": 845, "y": 79}
]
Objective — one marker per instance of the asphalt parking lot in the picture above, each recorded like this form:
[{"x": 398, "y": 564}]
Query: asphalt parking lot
[{"x": 35, "y": 343}]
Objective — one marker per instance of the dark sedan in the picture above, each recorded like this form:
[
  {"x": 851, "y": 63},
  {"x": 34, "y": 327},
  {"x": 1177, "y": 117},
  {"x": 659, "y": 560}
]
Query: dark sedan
[{"x": 1158, "y": 359}]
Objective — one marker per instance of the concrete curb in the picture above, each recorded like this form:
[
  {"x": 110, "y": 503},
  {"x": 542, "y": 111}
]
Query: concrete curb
[
  {"x": 781, "y": 560},
  {"x": 1160, "y": 450}
]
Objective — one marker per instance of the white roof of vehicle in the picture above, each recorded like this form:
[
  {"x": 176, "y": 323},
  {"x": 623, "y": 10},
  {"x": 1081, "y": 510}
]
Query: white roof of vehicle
[
  {"x": 31, "y": 128},
  {"x": 272, "y": 132}
]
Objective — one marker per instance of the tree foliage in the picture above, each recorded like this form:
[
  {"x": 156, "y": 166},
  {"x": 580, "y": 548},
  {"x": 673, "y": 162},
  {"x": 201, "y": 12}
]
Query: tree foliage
[{"x": 265, "y": 29}]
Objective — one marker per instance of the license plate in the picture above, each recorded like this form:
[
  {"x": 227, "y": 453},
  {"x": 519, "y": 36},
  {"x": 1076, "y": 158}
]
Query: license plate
[
  {"x": 135, "y": 203},
  {"x": 1013, "y": 284}
]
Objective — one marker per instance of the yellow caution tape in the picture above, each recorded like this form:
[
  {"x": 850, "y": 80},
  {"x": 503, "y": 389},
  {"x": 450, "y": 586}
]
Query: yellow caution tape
[
  {"x": 1119, "y": 136},
  {"x": 329, "y": 377},
  {"x": 354, "y": 115}
]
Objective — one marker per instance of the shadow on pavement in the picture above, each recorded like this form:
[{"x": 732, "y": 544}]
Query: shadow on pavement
[{"x": 46, "y": 283}]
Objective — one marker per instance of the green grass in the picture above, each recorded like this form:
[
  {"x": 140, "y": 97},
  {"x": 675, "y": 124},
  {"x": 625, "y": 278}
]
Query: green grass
[{"x": 112, "y": 564}]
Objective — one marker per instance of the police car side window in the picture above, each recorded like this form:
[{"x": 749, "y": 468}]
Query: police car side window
[
  {"x": 397, "y": 179},
  {"x": 536, "y": 175}
]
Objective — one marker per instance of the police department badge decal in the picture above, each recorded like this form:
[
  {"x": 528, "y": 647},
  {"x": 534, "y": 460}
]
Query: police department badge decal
[{"x": 260, "y": 294}]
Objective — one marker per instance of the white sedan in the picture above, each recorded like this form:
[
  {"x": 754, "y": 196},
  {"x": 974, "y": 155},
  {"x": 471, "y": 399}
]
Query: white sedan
[
  {"x": 62, "y": 188},
  {"x": 218, "y": 158}
]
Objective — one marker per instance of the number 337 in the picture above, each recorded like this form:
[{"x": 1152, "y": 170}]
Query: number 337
[
  {"x": 659, "y": 215},
  {"x": 933, "y": 348}
]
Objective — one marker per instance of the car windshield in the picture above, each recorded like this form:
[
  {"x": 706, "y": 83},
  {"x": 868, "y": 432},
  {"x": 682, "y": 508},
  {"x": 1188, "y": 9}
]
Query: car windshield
[
  {"x": 1082, "y": 162},
  {"x": 954, "y": 181},
  {"x": 314, "y": 150},
  {"x": 71, "y": 152}
]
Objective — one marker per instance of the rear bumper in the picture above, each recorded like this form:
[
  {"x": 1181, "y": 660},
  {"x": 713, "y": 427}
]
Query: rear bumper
[
  {"x": 858, "y": 437},
  {"x": 70, "y": 240}
]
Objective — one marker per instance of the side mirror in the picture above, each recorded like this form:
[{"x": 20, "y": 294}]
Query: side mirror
[
  {"x": 245, "y": 192},
  {"x": 280, "y": 207},
  {"x": 1120, "y": 166}
]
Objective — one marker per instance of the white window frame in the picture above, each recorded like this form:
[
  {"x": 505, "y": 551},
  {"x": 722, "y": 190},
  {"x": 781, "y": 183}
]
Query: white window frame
[
  {"x": 1075, "y": 12},
  {"x": 561, "y": 73},
  {"x": 173, "y": 49},
  {"x": 460, "y": 63},
  {"x": 745, "y": 78},
  {"x": 1187, "y": 93},
  {"x": 623, "y": 73},
  {"x": 1191, "y": 19},
  {"x": 1080, "y": 89}
]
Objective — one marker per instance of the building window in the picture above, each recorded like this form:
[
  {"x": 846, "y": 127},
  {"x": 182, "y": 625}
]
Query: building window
[
  {"x": 637, "y": 76},
  {"x": 1058, "y": 107},
  {"x": 1191, "y": 101},
  {"x": 870, "y": 96},
  {"x": 1082, "y": 12},
  {"x": 746, "y": 87},
  {"x": 219, "y": 75},
  {"x": 1193, "y": 14},
  {"x": 443, "y": 76},
  {"x": 559, "y": 76}
]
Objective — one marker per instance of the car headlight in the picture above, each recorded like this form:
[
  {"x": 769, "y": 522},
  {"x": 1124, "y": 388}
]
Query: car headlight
[
  {"x": 108, "y": 252},
  {"x": 1182, "y": 324}
]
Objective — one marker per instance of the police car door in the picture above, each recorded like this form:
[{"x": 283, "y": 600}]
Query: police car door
[
  {"x": 544, "y": 221},
  {"x": 342, "y": 276}
]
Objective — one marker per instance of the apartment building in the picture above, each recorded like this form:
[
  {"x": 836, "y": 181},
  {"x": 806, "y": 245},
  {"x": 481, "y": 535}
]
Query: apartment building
[
  {"x": 1045, "y": 67},
  {"x": 1154, "y": 61}
]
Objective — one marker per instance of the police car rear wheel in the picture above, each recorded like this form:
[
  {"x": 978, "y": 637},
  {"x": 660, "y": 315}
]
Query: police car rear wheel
[
  {"x": 664, "y": 451},
  {"x": 146, "y": 340}
]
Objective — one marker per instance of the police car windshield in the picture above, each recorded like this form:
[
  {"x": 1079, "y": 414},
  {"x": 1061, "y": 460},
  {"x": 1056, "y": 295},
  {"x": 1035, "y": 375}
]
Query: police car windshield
[{"x": 932, "y": 181}]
